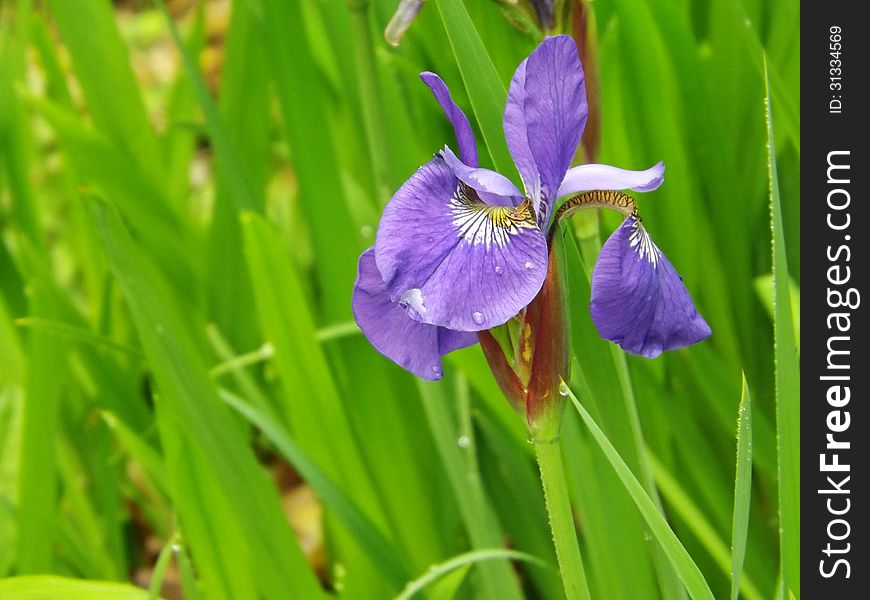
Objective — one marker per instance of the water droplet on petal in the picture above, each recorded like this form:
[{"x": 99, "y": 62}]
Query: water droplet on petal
[
  {"x": 529, "y": 265},
  {"x": 464, "y": 441},
  {"x": 498, "y": 269},
  {"x": 478, "y": 317},
  {"x": 436, "y": 369}
]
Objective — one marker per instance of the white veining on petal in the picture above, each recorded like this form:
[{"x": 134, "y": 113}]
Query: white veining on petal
[
  {"x": 480, "y": 223},
  {"x": 642, "y": 243}
]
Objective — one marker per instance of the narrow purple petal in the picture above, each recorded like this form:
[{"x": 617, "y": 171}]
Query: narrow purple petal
[
  {"x": 544, "y": 118},
  {"x": 492, "y": 187},
  {"x": 454, "y": 260},
  {"x": 464, "y": 135},
  {"x": 516, "y": 134},
  {"x": 638, "y": 299},
  {"x": 415, "y": 346},
  {"x": 605, "y": 177}
]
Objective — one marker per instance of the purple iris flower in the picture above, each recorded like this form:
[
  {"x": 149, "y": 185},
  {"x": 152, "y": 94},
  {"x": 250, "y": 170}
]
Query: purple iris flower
[{"x": 460, "y": 249}]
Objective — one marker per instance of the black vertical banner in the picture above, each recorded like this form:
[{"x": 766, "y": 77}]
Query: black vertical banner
[{"x": 835, "y": 424}]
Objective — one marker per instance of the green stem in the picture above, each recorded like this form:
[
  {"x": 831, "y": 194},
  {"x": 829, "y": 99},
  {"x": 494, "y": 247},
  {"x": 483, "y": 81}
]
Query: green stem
[{"x": 549, "y": 454}]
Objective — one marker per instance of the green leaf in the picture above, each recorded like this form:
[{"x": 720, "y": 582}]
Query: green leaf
[
  {"x": 207, "y": 452},
  {"x": 497, "y": 581},
  {"x": 51, "y": 587},
  {"x": 764, "y": 290},
  {"x": 304, "y": 104},
  {"x": 485, "y": 89},
  {"x": 102, "y": 64},
  {"x": 742, "y": 489},
  {"x": 440, "y": 570},
  {"x": 369, "y": 537},
  {"x": 45, "y": 378},
  {"x": 686, "y": 568},
  {"x": 684, "y": 506},
  {"x": 788, "y": 418}
]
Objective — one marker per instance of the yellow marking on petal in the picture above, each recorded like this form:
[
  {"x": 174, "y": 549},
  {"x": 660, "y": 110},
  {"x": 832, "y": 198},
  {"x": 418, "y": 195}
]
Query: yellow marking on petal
[
  {"x": 482, "y": 223},
  {"x": 613, "y": 199}
]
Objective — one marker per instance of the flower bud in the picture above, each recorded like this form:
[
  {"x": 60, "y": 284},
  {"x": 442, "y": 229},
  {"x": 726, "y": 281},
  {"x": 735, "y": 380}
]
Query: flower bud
[{"x": 530, "y": 370}]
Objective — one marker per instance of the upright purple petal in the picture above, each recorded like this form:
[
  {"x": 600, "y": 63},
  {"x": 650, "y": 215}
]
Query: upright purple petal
[
  {"x": 454, "y": 260},
  {"x": 492, "y": 187},
  {"x": 605, "y": 177},
  {"x": 638, "y": 299},
  {"x": 544, "y": 118},
  {"x": 464, "y": 135},
  {"x": 516, "y": 134},
  {"x": 415, "y": 346}
]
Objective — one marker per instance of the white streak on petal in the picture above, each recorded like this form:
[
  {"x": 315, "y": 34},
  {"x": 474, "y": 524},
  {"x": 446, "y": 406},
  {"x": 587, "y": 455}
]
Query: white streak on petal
[{"x": 642, "y": 243}]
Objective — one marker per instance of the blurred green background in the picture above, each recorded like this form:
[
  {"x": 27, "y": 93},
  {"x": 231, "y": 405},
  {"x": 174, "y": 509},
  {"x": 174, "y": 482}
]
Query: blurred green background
[{"x": 185, "y": 401}]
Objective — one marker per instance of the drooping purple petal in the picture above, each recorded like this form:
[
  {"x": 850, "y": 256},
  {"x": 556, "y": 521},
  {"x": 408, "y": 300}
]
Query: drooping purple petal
[
  {"x": 638, "y": 299},
  {"x": 417, "y": 347},
  {"x": 454, "y": 260},
  {"x": 450, "y": 340},
  {"x": 605, "y": 177},
  {"x": 464, "y": 134},
  {"x": 544, "y": 118},
  {"x": 492, "y": 187}
]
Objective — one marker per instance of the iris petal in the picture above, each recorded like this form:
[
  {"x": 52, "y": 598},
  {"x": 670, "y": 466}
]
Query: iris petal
[
  {"x": 638, "y": 299},
  {"x": 417, "y": 347},
  {"x": 516, "y": 134},
  {"x": 461, "y": 127},
  {"x": 492, "y": 187},
  {"x": 605, "y": 177},
  {"x": 545, "y": 117},
  {"x": 454, "y": 260}
]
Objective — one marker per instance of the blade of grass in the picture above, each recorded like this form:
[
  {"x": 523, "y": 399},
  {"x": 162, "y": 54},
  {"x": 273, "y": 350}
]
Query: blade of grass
[
  {"x": 788, "y": 418},
  {"x": 742, "y": 489},
  {"x": 683, "y": 505},
  {"x": 435, "y": 572},
  {"x": 76, "y": 334},
  {"x": 287, "y": 319},
  {"x": 686, "y": 568},
  {"x": 244, "y": 102},
  {"x": 206, "y": 449},
  {"x": 383, "y": 551},
  {"x": 97, "y": 161},
  {"x": 613, "y": 399},
  {"x": 764, "y": 290},
  {"x": 96, "y": 526},
  {"x": 497, "y": 580},
  {"x": 225, "y": 152},
  {"x": 37, "y": 475},
  {"x": 102, "y": 65},
  {"x": 160, "y": 566},
  {"x": 49, "y": 587},
  {"x": 303, "y": 106},
  {"x": 485, "y": 89}
]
